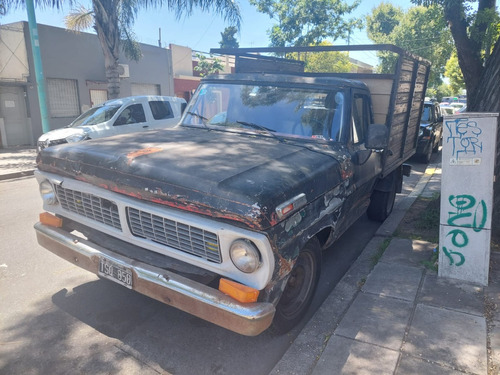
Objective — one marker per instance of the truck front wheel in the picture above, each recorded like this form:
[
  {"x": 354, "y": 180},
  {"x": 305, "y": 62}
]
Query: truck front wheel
[
  {"x": 299, "y": 289},
  {"x": 381, "y": 204}
]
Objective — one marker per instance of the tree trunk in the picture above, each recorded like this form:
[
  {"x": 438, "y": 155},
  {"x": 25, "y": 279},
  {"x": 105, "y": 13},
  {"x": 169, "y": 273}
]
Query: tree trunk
[
  {"x": 113, "y": 77},
  {"x": 487, "y": 97},
  {"x": 468, "y": 50},
  {"x": 106, "y": 26}
]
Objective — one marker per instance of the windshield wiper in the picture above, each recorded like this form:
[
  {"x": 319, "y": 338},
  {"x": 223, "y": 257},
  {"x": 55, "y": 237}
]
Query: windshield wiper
[
  {"x": 204, "y": 120},
  {"x": 260, "y": 127}
]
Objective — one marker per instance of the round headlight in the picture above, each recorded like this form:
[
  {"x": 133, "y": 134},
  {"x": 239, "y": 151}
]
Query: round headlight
[
  {"x": 47, "y": 192},
  {"x": 245, "y": 255}
]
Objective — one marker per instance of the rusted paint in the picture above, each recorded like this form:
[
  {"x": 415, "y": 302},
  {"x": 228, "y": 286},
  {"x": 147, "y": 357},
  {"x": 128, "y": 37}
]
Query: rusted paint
[
  {"x": 222, "y": 193},
  {"x": 145, "y": 151},
  {"x": 285, "y": 266}
]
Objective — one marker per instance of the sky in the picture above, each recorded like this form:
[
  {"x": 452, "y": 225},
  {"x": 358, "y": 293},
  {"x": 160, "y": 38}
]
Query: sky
[{"x": 201, "y": 31}]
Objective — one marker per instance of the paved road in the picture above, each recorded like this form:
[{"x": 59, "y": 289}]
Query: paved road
[{"x": 58, "y": 319}]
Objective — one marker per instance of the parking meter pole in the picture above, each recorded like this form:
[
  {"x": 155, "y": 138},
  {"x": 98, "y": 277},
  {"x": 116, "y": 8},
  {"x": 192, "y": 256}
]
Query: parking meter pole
[
  {"x": 37, "y": 61},
  {"x": 469, "y": 144}
]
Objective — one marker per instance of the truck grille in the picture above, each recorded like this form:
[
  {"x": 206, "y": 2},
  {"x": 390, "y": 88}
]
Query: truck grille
[
  {"x": 89, "y": 206},
  {"x": 180, "y": 236}
]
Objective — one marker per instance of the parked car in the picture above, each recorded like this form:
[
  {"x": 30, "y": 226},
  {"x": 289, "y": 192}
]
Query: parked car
[
  {"x": 447, "y": 110},
  {"x": 431, "y": 131},
  {"x": 457, "y": 106},
  {"x": 117, "y": 116}
]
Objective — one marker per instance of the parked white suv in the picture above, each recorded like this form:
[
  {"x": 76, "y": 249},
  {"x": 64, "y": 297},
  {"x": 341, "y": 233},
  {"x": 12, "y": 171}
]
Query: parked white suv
[{"x": 118, "y": 116}]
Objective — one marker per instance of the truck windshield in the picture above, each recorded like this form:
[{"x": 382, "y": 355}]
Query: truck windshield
[
  {"x": 95, "y": 115},
  {"x": 289, "y": 112}
]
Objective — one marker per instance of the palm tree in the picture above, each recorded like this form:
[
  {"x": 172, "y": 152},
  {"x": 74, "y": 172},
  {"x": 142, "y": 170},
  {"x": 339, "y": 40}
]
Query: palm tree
[{"x": 113, "y": 20}]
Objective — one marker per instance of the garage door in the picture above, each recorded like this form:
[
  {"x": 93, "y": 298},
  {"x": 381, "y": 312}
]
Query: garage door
[{"x": 15, "y": 119}]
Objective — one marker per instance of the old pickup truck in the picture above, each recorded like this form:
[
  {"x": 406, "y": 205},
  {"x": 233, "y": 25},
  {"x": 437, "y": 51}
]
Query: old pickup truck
[{"x": 226, "y": 215}]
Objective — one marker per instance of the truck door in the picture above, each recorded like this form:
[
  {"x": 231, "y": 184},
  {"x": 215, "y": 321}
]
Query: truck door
[{"x": 367, "y": 163}]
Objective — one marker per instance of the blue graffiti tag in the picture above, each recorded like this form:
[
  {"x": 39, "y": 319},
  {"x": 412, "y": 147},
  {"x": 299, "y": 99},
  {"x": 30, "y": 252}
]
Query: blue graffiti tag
[{"x": 464, "y": 137}]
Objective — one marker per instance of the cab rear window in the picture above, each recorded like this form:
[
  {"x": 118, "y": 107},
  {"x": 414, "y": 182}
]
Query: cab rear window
[{"x": 161, "y": 109}]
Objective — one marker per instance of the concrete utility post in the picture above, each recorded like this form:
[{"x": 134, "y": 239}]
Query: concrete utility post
[
  {"x": 37, "y": 61},
  {"x": 469, "y": 143}
]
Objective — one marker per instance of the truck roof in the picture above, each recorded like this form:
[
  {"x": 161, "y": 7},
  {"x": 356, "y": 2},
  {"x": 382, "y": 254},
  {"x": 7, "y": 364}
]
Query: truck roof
[{"x": 278, "y": 78}]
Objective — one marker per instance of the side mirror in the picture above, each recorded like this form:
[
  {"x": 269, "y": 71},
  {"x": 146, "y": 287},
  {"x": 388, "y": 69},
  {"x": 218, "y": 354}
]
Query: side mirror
[
  {"x": 376, "y": 138},
  {"x": 440, "y": 119}
]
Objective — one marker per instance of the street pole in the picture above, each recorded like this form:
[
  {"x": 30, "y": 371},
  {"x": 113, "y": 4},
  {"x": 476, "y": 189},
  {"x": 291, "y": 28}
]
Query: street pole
[{"x": 37, "y": 61}]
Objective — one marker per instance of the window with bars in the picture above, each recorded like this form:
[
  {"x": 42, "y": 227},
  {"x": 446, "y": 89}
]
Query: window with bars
[
  {"x": 98, "y": 97},
  {"x": 63, "y": 97}
]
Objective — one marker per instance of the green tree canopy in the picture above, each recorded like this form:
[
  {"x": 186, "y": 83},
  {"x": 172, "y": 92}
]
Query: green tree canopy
[
  {"x": 228, "y": 38},
  {"x": 475, "y": 30},
  {"x": 454, "y": 74},
  {"x": 381, "y": 23},
  {"x": 326, "y": 62},
  {"x": 207, "y": 65},
  {"x": 308, "y": 22},
  {"x": 420, "y": 30}
]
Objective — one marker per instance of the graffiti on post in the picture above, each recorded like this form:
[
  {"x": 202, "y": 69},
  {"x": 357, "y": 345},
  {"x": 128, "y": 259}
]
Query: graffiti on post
[
  {"x": 464, "y": 137},
  {"x": 466, "y": 212}
]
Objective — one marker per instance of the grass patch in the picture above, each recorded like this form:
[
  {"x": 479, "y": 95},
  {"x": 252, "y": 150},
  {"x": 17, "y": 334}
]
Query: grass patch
[
  {"x": 421, "y": 222},
  {"x": 380, "y": 251},
  {"x": 429, "y": 219},
  {"x": 433, "y": 263}
]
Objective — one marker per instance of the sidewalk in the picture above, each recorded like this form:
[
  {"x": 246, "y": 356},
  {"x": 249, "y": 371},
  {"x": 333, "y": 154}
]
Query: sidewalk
[
  {"x": 399, "y": 317},
  {"x": 17, "y": 162}
]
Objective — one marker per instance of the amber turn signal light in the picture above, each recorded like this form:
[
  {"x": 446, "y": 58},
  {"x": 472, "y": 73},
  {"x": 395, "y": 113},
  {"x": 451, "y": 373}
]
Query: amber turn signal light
[
  {"x": 239, "y": 292},
  {"x": 50, "y": 220}
]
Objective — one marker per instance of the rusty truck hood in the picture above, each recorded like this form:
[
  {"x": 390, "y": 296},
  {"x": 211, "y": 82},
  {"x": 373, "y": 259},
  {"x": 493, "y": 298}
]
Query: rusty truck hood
[{"x": 237, "y": 177}]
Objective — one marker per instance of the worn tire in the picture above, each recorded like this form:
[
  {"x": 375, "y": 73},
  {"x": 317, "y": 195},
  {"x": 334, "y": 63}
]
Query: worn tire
[
  {"x": 299, "y": 289},
  {"x": 381, "y": 204}
]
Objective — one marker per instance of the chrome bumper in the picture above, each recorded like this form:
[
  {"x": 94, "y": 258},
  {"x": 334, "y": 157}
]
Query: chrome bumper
[{"x": 192, "y": 297}]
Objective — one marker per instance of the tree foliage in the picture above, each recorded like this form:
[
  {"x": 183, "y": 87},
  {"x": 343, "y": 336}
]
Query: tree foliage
[
  {"x": 420, "y": 30},
  {"x": 308, "y": 22},
  {"x": 207, "y": 66},
  {"x": 454, "y": 74},
  {"x": 475, "y": 29},
  {"x": 439, "y": 92},
  {"x": 228, "y": 38},
  {"x": 381, "y": 23},
  {"x": 325, "y": 62}
]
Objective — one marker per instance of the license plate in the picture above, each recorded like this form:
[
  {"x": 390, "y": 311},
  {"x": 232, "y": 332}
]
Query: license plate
[{"x": 116, "y": 272}]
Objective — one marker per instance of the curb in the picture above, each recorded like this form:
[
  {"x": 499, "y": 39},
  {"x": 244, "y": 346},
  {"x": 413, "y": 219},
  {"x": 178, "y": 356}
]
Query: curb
[
  {"x": 307, "y": 348},
  {"x": 9, "y": 176}
]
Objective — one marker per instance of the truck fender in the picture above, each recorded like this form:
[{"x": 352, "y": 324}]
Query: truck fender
[{"x": 385, "y": 184}]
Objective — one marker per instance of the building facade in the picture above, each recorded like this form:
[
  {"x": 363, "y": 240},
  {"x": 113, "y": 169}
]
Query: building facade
[
  {"x": 186, "y": 78},
  {"x": 75, "y": 80}
]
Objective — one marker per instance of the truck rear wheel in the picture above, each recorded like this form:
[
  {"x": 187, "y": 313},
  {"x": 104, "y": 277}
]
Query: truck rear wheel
[
  {"x": 381, "y": 204},
  {"x": 299, "y": 289}
]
